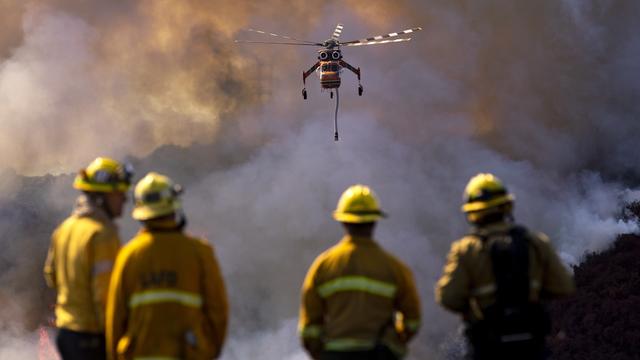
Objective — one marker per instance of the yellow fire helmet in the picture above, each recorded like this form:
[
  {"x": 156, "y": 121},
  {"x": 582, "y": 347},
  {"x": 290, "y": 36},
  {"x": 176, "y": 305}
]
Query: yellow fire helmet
[
  {"x": 155, "y": 196},
  {"x": 104, "y": 175},
  {"x": 485, "y": 191},
  {"x": 358, "y": 204}
]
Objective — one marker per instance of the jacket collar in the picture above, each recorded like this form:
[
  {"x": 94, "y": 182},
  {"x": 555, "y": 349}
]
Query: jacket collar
[
  {"x": 165, "y": 225},
  {"x": 500, "y": 227},
  {"x": 359, "y": 240}
]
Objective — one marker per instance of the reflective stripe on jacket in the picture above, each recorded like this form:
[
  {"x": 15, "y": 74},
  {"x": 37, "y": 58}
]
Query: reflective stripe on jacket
[
  {"x": 350, "y": 296},
  {"x": 79, "y": 263},
  {"x": 167, "y": 299},
  {"x": 467, "y": 285}
]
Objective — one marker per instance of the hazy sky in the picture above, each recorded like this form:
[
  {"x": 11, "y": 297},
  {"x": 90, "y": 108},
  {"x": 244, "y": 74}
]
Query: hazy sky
[{"x": 543, "y": 94}]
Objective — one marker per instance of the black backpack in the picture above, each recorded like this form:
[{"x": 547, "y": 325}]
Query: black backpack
[{"x": 512, "y": 321}]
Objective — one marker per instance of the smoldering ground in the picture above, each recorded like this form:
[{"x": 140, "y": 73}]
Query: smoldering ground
[{"x": 540, "y": 94}]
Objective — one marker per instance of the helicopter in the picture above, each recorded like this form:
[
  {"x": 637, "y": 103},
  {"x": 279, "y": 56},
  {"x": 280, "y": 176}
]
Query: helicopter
[{"x": 330, "y": 60}]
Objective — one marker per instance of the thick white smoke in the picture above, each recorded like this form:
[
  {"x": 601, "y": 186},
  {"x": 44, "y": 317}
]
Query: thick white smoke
[
  {"x": 541, "y": 95},
  {"x": 271, "y": 216},
  {"x": 18, "y": 346},
  {"x": 47, "y": 95}
]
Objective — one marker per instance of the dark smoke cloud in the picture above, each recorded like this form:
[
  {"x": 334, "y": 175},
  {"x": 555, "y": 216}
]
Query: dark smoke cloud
[
  {"x": 541, "y": 94},
  {"x": 127, "y": 76}
]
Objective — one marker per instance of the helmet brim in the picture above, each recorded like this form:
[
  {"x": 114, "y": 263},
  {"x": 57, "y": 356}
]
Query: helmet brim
[
  {"x": 354, "y": 218},
  {"x": 82, "y": 185},
  {"x": 149, "y": 212},
  {"x": 483, "y": 205}
]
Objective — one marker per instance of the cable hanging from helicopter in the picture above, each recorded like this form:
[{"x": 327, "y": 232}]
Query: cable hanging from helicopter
[{"x": 330, "y": 62}]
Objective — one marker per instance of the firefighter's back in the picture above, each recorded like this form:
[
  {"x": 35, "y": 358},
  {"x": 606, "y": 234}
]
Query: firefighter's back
[
  {"x": 162, "y": 281},
  {"x": 360, "y": 282},
  {"x": 167, "y": 299},
  {"x": 75, "y": 242},
  {"x": 498, "y": 277},
  {"x": 358, "y": 301},
  {"x": 546, "y": 275}
]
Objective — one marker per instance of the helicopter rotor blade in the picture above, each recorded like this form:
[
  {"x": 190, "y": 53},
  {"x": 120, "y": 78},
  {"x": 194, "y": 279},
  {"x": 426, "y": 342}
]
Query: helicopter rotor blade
[
  {"x": 337, "y": 32},
  {"x": 281, "y": 36},
  {"x": 382, "y": 37},
  {"x": 377, "y": 42},
  {"x": 274, "y": 43}
]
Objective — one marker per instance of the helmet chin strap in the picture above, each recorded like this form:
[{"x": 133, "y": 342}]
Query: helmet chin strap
[
  {"x": 491, "y": 217},
  {"x": 181, "y": 219}
]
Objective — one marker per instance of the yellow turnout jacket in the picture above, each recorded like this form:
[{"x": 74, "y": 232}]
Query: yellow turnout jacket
[
  {"x": 467, "y": 285},
  {"x": 356, "y": 294},
  {"x": 167, "y": 298},
  {"x": 81, "y": 256}
]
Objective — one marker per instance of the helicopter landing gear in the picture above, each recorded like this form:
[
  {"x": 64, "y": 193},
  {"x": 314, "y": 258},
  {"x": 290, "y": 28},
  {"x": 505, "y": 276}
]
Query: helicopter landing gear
[
  {"x": 360, "y": 90},
  {"x": 331, "y": 94},
  {"x": 304, "y": 93}
]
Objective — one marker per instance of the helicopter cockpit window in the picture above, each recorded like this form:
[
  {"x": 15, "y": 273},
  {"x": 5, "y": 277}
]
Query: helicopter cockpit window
[
  {"x": 325, "y": 67},
  {"x": 333, "y": 67}
]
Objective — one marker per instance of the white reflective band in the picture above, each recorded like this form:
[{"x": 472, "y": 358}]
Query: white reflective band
[
  {"x": 155, "y": 358},
  {"x": 349, "y": 344},
  {"x": 484, "y": 290},
  {"x": 162, "y": 296},
  {"x": 311, "y": 331},
  {"x": 102, "y": 267},
  {"x": 357, "y": 283}
]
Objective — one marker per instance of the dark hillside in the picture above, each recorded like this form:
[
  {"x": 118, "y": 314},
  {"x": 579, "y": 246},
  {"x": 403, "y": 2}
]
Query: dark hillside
[{"x": 602, "y": 321}]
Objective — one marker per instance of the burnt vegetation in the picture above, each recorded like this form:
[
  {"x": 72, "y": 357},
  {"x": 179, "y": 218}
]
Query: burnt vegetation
[{"x": 602, "y": 321}]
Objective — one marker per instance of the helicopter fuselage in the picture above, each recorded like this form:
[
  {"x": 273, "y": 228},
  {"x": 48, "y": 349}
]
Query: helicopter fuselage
[
  {"x": 329, "y": 66},
  {"x": 329, "y": 73}
]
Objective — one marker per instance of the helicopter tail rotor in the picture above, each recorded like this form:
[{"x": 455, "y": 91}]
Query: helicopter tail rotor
[{"x": 337, "y": 32}]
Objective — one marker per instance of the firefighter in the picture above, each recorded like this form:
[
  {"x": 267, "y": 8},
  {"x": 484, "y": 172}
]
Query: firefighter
[
  {"x": 358, "y": 300},
  {"x": 167, "y": 298},
  {"x": 498, "y": 277},
  {"x": 81, "y": 256}
]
